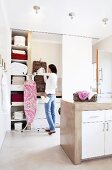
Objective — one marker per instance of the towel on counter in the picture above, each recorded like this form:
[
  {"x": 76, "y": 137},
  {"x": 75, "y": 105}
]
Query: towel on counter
[{"x": 84, "y": 96}]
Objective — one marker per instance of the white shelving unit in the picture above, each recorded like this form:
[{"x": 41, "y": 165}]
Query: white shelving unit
[
  {"x": 19, "y": 47},
  {"x": 16, "y": 88},
  {"x": 20, "y": 61}
]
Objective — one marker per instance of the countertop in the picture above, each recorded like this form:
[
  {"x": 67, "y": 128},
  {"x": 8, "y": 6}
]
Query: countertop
[
  {"x": 71, "y": 126},
  {"x": 58, "y": 94},
  {"x": 91, "y": 105}
]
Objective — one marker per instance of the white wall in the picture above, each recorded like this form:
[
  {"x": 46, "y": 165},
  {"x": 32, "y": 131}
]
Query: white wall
[
  {"x": 50, "y": 52},
  {"x": 5, "y": 41},
  {"x": 76, "y": 65},
  {"x": 105, "y": 45}
]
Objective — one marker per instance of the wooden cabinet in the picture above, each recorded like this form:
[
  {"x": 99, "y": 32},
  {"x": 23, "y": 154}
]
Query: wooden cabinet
[
  {"x": 20, "y": 66},
  {"x": 84, "y": 130},
  {"x": 96, "y": 133}
]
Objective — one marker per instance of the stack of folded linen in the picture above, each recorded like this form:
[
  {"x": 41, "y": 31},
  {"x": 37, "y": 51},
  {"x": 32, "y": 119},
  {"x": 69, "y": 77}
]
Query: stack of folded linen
[
  {"x": 18, "y": 69},
  {"x": 18, "y": 126},
  {"x": 19, "y": 40},
  {"x": 16, "y": 87},
  {"x": 17, "y": 97},
  {"x": 18, "y": 115},
  {"x": 18, "y": 80},
  {"x": 19, "y": 55}
]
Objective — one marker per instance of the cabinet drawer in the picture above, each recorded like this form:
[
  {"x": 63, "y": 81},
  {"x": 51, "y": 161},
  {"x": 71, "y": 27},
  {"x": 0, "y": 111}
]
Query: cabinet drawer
[
  {"x": 93, "y": 116},
  {"x": 108, "y": 115}
]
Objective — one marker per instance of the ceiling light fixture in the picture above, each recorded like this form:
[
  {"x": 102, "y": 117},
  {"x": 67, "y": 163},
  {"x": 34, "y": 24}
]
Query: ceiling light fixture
[
  {"x": 71, "y": 14},
  {"x": 36, "y": 8},
  {"x": 105, "y": 20}
]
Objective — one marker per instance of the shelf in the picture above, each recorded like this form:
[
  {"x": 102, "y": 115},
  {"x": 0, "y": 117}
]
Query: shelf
[
  {"x": 20, "y": 61},
  {"x": 19, "y": 58},
  {"x": 42, "y": 74},
  {"x": 17, "y": 120},
  {"x": 15, "y": 47},
  {"x": 18, "y": 75},
  {"x": 18, "y": 90},
  {"x": 17, "y": 104},
  {"x": 13, "y": 90},
  {"x": 19, "y": 32},
  {"x": 17, "y": 87}
]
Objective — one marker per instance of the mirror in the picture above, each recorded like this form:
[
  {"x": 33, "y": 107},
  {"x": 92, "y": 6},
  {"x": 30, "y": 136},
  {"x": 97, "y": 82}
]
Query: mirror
[
  {"x": 104, "y": 72},
  {"x": 47, "y": 47}
]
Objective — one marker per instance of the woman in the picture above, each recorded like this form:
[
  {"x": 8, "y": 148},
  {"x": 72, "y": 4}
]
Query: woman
[{"x": 50, "y": 106}]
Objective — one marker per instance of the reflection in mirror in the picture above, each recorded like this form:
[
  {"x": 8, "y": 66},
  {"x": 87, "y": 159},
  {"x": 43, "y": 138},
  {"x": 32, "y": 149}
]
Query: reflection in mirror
[
  {"x": 47, "y": 48},
  {"x": 94, "y": 77},
  {"x": 104, "y": 72}
]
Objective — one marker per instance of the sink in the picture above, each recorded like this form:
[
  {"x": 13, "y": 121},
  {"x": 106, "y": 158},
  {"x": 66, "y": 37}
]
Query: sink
[{"x": 104, "y": 98}]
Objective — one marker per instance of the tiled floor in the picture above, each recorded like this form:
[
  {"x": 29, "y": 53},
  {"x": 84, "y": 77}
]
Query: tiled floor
[{"x": 39, "y": 151}]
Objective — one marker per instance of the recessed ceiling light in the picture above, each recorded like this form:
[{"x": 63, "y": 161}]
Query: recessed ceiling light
[
  {"x": 105, "y": 20},
  {"x": 71, "y": 15},
  {"x": 36, "y": 8}
]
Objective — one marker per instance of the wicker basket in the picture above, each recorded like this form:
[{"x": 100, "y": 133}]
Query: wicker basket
[{"x": 77, "y": 99}]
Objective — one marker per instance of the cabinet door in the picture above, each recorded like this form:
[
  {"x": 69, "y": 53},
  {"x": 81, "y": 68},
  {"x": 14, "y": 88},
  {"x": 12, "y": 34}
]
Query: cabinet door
[
  {"x": 108, "y": 137},
  {"x": 40, "y": 109},
  {"x": 92, "y": 139},
  {"x": 40, "y": 120},
  {"x": 108, "y": 115}
]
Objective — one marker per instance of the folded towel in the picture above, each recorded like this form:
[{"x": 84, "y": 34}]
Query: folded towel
[
  {"x": 18, "y": 68},
  {"x": 45, "y": 99},
  {"x": 91, "y": 94},
  {"x": 83, "y": 95},
  {"x": 19, "y": 51}
]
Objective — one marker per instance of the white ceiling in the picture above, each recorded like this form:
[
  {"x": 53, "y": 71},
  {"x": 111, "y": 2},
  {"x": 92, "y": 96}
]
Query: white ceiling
[
  {"x": 47, "y": 37},
  {"x": 53, "y": 16}
]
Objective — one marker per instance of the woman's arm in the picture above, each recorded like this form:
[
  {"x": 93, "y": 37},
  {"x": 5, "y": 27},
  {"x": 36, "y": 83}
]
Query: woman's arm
[{"x": 46, "y": 75}]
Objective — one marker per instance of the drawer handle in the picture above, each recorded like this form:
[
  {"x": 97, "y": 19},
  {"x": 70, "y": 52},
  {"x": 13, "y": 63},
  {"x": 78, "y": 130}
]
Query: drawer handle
[
  {"x": 107, "y": 126},
  {"x": 92, "y": 117},
  {"x": 103, "y": 126}
]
